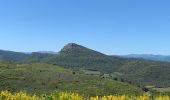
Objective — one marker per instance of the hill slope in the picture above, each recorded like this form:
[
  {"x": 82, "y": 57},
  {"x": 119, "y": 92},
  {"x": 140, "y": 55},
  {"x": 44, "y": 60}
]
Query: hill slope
[
  {"x": 12, "y": 56},
  {"x": 23, "y": 57},
  {"x": 140, "y": 71},
  {"x": 73, "y": 55},
  {"x": 44, "y": 78}
]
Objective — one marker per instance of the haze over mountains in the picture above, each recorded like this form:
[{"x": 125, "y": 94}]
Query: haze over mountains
[
  {"x": 150, "y": 57},
  {"x": 138, "y": 71}
]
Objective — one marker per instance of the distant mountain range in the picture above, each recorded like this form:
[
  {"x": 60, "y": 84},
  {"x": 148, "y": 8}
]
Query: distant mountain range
[
  {"x": 149, "y": 57},
  {"x": 49, "y": 52},
  {"x": 135, "y": 70}
]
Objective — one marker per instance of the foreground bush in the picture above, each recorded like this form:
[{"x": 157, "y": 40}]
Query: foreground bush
[{"x": 5, "y": 95}]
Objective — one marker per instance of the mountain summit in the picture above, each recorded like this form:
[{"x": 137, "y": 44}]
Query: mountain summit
[
  {"x": 71, "y": 47},
  {"x": 75, "y": 49},
  {"x": 74, "y": 55}
]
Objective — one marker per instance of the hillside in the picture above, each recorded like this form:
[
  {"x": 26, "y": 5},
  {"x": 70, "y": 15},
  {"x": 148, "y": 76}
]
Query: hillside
[
  {"x": 45, "y": 78},
  {"x": 73, "y": 55},
  {"x": 12, "y": 56},
  {"x": 23, "y": 57},
  {"x": 134, "y": 70},
  {"x": 139, "y": 71}
]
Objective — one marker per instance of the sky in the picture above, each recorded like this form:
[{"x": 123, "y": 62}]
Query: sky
[{"x": 114, "y": 27}]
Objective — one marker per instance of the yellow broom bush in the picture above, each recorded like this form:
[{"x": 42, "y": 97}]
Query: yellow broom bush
[{"x": 6, "y": 95}]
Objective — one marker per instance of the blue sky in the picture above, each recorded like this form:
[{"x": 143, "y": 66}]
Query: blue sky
[{"x": 109, "y": 26}]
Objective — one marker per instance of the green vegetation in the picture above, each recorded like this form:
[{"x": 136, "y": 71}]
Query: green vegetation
[
  {"x": 132, "y": 70},
  {"x": 138, "y": 71},
  {"x": 39, "y": 78},
  {"x": 12, "y": 56}
]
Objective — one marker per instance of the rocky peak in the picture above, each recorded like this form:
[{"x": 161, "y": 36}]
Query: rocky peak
[{"x": 72, "y": 46}]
